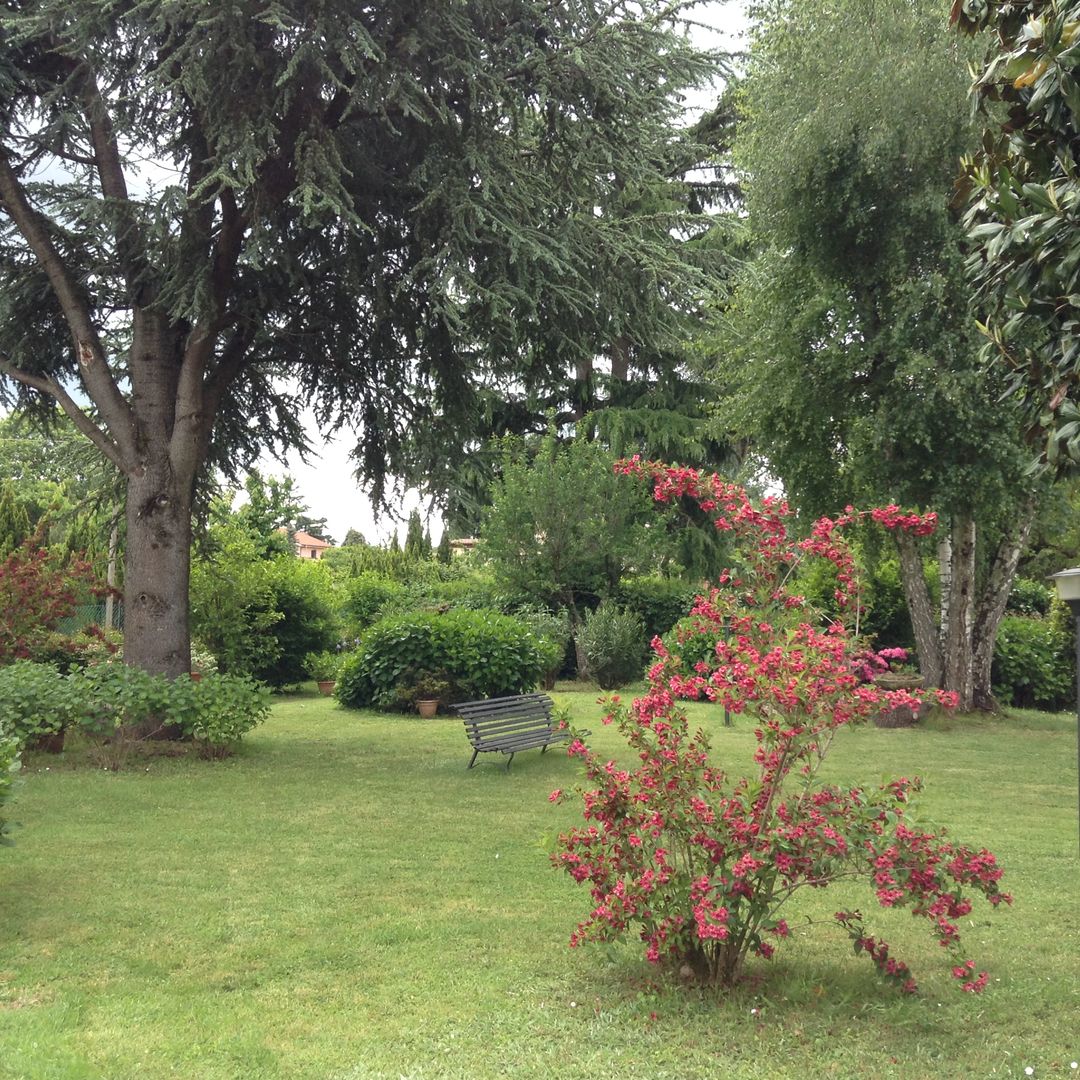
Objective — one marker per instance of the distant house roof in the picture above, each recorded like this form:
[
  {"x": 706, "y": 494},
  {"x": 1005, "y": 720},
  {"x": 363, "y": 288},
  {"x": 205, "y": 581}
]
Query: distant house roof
[{"x": 304, "y": 539}]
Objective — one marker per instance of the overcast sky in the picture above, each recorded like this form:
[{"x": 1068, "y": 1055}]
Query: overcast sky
[{"x": 327, "y": 485}]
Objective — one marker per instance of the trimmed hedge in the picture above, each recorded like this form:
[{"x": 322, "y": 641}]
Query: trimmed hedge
[{"x": 479, "y": 653}]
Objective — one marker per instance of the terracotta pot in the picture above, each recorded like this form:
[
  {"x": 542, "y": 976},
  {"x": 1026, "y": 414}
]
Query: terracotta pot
[
  {"x": 427, "y": 708},
  {"x": 196, "y": 676},
  {"x": 326, "y": 686}
]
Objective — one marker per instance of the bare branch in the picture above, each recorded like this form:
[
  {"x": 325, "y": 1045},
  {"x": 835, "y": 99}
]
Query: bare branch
[
  {"x": 67, "y": 403},
  {"x": 92, "y": 366}
]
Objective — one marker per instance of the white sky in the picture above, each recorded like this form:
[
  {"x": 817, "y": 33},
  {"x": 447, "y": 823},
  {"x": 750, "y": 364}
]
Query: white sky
[{"x": 327, "y": 484}]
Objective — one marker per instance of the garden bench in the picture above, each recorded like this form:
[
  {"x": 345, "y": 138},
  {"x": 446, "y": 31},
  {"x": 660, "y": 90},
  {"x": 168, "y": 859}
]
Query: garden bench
[{"x": 510, "y": 724}]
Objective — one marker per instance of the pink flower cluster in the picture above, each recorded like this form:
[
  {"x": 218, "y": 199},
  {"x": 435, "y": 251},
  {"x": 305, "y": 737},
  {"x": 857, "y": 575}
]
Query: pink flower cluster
[{"x": 698, "y": 863}]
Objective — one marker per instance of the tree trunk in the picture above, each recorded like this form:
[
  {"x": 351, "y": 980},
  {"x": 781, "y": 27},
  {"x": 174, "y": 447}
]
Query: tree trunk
[
  {"x": 991, "y": 606},
  {"x": 921, "y": 609},
  {"x": 170, "y": 440},
  {"x": 156, "y": 571},
  {"x": 110, "y": 577},
  {"x": 945, "y": 560},
  {"x": 958, "y": 651}
]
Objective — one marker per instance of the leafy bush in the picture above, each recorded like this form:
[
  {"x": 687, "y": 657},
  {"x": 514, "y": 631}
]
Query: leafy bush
[
  {"x": 301, "y": 592},
  {"x": 260, "y": 616},
  {"x": 613, "y": 639},
  {"x": 661, "y": 602},
  {"x": 225, "y": 708},
  {"x": 367, "y": 594},
  {"x": 9, "y": 766},
  {"x": 694, "y": 639},
  {"x": 1029, "y": 598},
  {"x": 553, "y": 634},
  {"x": 36, "y": 700},
  {"x": 233, "y": 603},
  {"x": 215, "y": 712},
  {"x": 118, "y": 696},
  {"x": 1033, "y": 666},
  {"x": 482, "y": 653}
]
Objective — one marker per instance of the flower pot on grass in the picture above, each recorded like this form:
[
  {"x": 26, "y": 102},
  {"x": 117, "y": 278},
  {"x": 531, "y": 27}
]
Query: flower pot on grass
[
  {"x": 427, "y": 707},
  {"x": 326, "y": 686}
]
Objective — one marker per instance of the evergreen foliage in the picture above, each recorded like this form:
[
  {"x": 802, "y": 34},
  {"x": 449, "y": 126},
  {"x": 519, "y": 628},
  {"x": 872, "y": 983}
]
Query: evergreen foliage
[
  {"x": 209, "y": 220},
  {"x": 1024, "y": 194}
]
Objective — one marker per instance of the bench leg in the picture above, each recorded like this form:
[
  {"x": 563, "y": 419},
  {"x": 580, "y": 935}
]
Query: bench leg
[
  {"x": 473, "y": 762},
  {"x": 544, "y": 751},
  {"x": 508, "y": 760}
]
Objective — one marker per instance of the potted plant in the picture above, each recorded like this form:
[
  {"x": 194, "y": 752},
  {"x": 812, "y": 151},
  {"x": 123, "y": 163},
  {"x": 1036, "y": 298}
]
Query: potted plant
[
  {"x": 428, "y": 691},
  {"x": 323, "y": 667}
]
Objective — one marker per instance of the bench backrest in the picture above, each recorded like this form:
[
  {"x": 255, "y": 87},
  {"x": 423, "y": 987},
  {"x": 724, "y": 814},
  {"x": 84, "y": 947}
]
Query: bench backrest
[{"x": 494, "y": 717}]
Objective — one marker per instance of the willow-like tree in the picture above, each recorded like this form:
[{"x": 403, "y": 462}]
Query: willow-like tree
[
  {"x": 853, "y": 358},
  {"x": 213, "y": 214}
]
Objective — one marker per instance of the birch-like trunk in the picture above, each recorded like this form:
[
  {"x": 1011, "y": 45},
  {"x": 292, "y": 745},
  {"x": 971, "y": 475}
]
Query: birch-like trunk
[
  {"x": 958, "y": 672},
  {"x": 991, "y": 607}
]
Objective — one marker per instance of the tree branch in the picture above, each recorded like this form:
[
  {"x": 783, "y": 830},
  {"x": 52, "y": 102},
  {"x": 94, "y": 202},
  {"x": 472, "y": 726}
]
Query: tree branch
[
  {"x": 67, "y": 403},
  {"x": 110, "y": 169},
  {"x": 92, "y": 366}
]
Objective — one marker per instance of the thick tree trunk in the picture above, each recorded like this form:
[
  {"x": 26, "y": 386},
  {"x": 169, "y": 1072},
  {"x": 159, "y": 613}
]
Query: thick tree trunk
[
  {"x": 958, "y": 648},
  {"x": 991, "y": 606},
  {"x": 156, "y": 571},
  {"x": 921, "y": 609},
  {"x": 170, "y": 441}
]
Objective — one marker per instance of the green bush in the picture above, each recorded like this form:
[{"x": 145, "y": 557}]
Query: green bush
[
  {"x": 225, "y": 708},
  {"x": 1033, "y": 665},
  {"x": 1029, "y": 598},
  {"x": 215, "y": 712},
  {"x": 613, "y": 639},
  {"x": 301, "y": 592},
  {"x": 694, "y": 639},
  {"x": 37, "y": 700},
  {"x": 661, "y": 602},
  {"x": 480, "y": 653},
  {"x": 9, "y": 766},
  {"x": 118, "y": 696},
  {"x": 553, "y": 634},
  {"x": 366, "y": 596}
]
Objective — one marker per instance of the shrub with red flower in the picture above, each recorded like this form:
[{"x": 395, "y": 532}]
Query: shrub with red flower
[{"x": 701, "y": 865}]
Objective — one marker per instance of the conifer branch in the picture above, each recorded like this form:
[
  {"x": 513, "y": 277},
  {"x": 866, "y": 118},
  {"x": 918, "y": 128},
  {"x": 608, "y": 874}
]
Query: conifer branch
[{"x": 79, "y": 418}]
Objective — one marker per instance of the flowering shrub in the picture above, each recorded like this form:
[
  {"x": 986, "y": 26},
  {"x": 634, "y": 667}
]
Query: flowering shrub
[
  {"x": 702, "y": 864},
  {"x": 866, "y": 663}
]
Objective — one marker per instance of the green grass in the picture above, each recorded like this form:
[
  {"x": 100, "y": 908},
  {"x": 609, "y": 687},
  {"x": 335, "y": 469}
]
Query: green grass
[{"x": 344, "y": 900}]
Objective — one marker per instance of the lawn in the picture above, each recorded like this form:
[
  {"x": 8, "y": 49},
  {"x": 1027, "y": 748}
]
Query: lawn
[{"x": 344, "y": 900}]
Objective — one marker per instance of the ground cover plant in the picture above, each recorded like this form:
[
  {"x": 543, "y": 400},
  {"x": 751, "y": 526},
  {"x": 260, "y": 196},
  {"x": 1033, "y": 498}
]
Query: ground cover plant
[{"x": 342, "y": 899}]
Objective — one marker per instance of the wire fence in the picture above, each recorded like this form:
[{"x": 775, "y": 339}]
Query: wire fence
[{"x": 87, "y": 614}]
